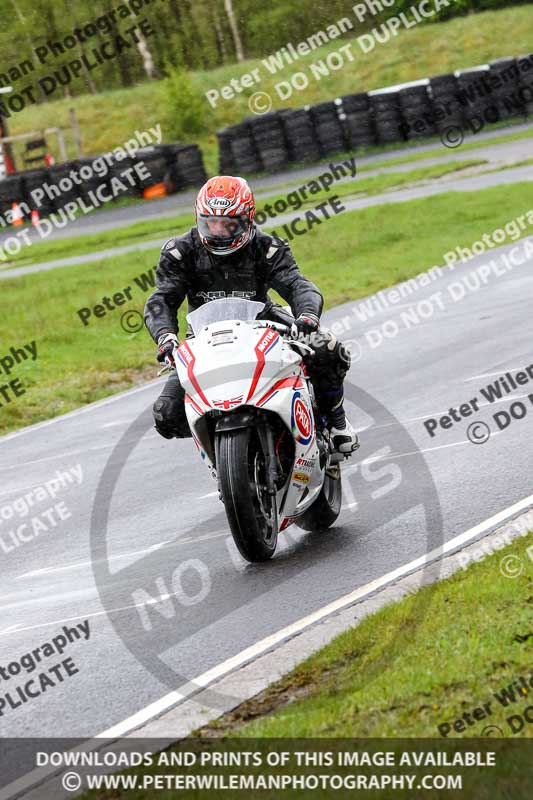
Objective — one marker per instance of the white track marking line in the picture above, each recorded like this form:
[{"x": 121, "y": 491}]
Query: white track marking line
[
  {"x": 77, "y": 411},
  {"x": 166, "y": 543},
  {"x": 11, "y": 629},
  {"x": 249, "y": 654},
  {"x": 424, "y": 450},
  {"x": 45, "y": 458},
  {"x": 491, "y": 374},
  {"x": 48, "y": 570},
  {"x": 437, "y": 413},
  {"x": 18, "y": 629},
  {"x": 84, "y": 451},
  {"x": 205, "y": 496}
]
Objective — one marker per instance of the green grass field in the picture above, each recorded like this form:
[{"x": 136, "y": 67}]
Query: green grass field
[
  {"x": 349, "y": 257},
  {"x": 110, "y": 118},
  {"x": 473, "y": 637},
  {"x": 163, "y": 228}
]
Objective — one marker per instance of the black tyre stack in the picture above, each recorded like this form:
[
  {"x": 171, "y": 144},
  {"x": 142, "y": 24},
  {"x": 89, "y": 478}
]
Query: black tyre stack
[
  {"x": 328, "y": 128},
  {"x": 61, "y": 172},
  {"x": 116, "y": 170},
  {"x": 479, "y": 103},
  {"x": 505, "y": 75},
  {"x": 34, "y": 179},
  {"x": 185, "y": 165},
  {"x": 246, "y": 159},
  {"x": 269, "y": 138},
  {"x": 446, "y": 107},
  {"x": 387, "y": 117},
  {"x": 226, "y": 161},
  {"x": 155, "y": 160},
  {"x": 525, "y": 82},
  {"x": 11, "y": 191},
  {"x": 302, "y": 145},
  {"x": 92, "y": 183},
  {"x": 358, "y": 121},
  {"x": 417, "y": 112}
]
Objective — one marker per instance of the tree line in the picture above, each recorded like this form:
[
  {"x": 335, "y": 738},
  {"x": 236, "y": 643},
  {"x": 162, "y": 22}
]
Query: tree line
[{"x": 117, "y": 44}]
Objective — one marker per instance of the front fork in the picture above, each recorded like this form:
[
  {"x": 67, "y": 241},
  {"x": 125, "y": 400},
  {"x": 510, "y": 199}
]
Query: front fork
[{"x": 266, "y": 437}]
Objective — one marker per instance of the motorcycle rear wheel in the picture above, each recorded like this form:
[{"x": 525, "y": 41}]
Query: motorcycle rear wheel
[{"x": 241, "y": 467}]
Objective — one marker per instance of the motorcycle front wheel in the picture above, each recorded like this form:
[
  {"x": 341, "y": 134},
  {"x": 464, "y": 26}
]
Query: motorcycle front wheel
[
  {"x": 251, "y": 511},
  {"x": 327, "y": 507}
]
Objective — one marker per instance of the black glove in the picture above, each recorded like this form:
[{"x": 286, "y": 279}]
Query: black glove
[
  {"x": 166, "y": 344},
  {"x": 304, "y": 326}
]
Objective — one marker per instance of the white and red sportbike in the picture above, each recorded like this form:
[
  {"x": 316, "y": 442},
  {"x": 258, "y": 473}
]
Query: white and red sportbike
[{"x": 251, "y": 412}]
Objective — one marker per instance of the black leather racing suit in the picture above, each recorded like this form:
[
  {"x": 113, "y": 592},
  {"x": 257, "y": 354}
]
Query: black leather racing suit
[{"x": 187, "y": 270}]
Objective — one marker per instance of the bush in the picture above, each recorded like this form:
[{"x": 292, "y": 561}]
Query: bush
[{"x": 185, "y": 110}]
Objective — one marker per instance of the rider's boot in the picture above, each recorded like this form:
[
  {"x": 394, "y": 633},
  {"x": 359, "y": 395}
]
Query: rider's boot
[{"x": 342, "y": 434}]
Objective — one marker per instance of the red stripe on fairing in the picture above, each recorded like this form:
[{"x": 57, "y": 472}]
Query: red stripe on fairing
[
  {"x": 188, "y": 399},
  {"x": 284, "y": 383},
  {"x": 190, "y": 359},
  {"x": 266, "y": 343}
]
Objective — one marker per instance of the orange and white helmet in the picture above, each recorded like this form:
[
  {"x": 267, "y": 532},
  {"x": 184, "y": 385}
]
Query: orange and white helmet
[{"x": 225, "y": 213}]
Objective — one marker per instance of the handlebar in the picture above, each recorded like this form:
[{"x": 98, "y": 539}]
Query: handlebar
[
  {"x": 286, "y": 331},
  {"x": 277, "y": 326}
]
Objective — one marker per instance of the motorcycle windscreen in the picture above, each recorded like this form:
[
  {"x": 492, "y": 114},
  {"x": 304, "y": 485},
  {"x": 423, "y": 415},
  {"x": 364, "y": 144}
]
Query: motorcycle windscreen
[{"x": 224, "y": 310}]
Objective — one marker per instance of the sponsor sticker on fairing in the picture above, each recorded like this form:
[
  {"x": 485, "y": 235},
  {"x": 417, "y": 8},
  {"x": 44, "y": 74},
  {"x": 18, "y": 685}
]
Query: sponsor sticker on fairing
[{"x": 301, "y": 421}]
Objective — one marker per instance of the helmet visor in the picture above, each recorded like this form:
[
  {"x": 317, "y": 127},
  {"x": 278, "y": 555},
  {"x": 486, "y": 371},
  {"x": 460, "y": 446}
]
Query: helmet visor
[{"x": 221, "y": 233}]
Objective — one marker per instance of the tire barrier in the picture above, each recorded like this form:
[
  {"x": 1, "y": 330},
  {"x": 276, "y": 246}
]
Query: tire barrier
[
  {"x": 387, "y": 117},
  {"x": 522, "y": 84},
  {"x": 11, "y": 191},
  {"x": 241, "y": 154},
  {"x": 493, "y": 92},
  {"x": 328, "y": 128},
  {"x": 302, "y": 145},
  {"x": 359, "y": 125},
  {"x": 448, "y": 111},
  {"x": 174, "y": 165}
]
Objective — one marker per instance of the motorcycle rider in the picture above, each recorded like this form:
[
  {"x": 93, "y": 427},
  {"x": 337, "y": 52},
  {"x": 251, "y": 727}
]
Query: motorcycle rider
[{"x": 227, "y": 255}]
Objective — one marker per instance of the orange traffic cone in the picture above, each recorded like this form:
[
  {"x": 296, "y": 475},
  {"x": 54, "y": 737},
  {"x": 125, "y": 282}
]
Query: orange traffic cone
[
  {"x": 34, "y": 217},
  {"x": 18, "y": 216}
]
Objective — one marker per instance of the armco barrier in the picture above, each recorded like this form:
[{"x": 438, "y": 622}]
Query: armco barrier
[
  {"x": 177, "y": 166},
  {"x": 494, "y": 92}
]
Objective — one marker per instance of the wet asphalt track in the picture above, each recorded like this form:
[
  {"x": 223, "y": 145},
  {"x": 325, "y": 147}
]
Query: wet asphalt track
[{"x": 165, "y": 518}]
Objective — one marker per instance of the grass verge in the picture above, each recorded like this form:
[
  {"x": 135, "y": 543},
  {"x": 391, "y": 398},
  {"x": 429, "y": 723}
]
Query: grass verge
[
  {"x": 475, "y": 642},
  {"x": 165, "y": 227},
  {"x": 351, "y": 256}
]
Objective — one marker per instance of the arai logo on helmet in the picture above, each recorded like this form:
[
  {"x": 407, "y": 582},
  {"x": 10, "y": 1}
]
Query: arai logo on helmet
[
  {"x": 301, "y": 421},
  {"x": 219, "y": 202}
]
